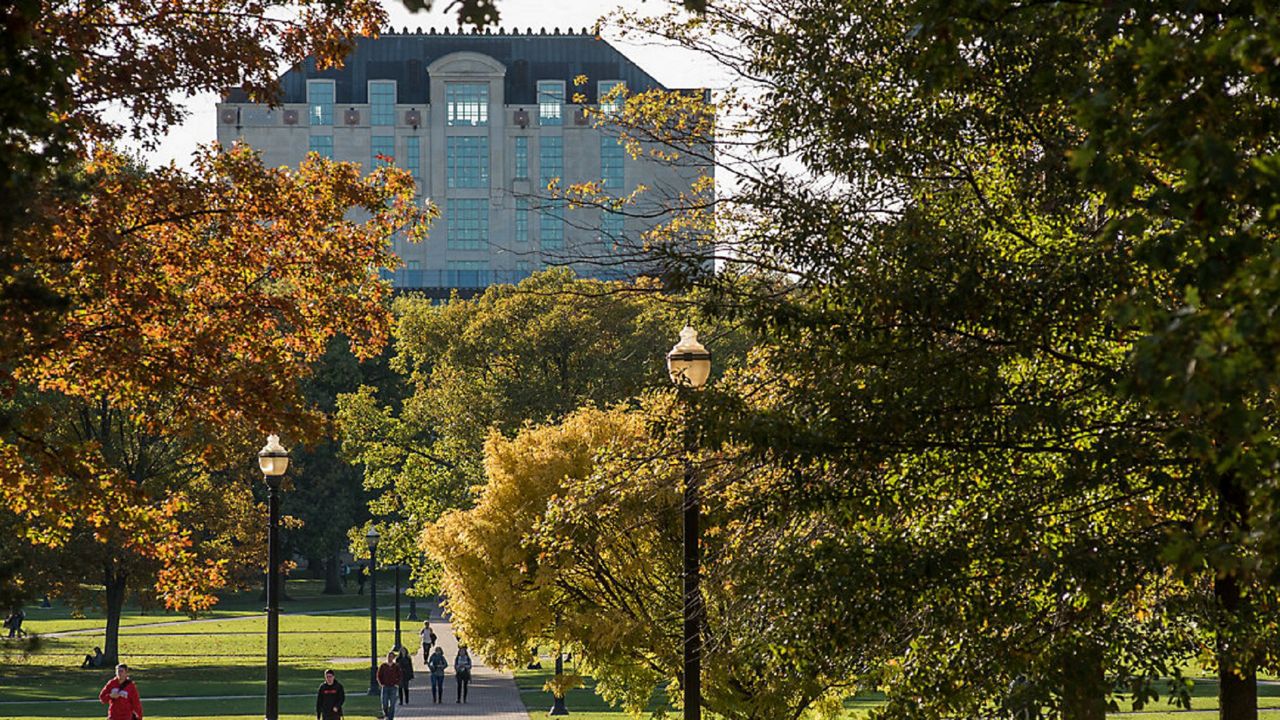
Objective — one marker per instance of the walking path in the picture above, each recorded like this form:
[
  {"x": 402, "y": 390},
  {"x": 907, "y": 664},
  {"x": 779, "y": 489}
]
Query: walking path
[{"x": 493, "y": 694}]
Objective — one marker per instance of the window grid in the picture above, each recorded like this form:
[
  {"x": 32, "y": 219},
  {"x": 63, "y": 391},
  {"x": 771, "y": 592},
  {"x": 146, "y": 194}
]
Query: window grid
[
  {"x": 612, "y": 163},
  {"x": 384, "y": 145},
  {"x": 613, "y": 106},
  {"x": 382, "y": 102},
  {"x": 468, "y": 223},
  {"x": 321, "y": 145},
  {"x": 467, "y": 104},
  {"x": 550, "y": 159},
  {"x": 413, "y": 151},
  {"x": 522, "y": 220},
  {"x": 550, "y": 102},
  {"x": 467, "y": 273},
  {"x": 320, "y": 99},
  {"x": 522, "y": 158},
  {"x": 611, "y": 225},
  {"x": 551, "y": 227},
  {"x": 467, "y": 161}
]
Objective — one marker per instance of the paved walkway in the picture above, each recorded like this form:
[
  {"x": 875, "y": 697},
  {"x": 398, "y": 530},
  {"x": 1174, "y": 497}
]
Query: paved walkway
[{"x": 493, "y": 694}]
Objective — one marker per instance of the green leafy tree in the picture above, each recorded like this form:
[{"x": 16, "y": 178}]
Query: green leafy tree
[
  {"x": 1027, "y": 251},
  {"x": 516, "y": 354}
]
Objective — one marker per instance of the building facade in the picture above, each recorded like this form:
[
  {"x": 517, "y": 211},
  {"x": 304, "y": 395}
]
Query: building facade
[{"x": 484, "y": 122}]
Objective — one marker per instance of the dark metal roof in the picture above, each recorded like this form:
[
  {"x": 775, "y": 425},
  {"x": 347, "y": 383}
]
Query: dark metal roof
[{"x": 528, "y": 58}]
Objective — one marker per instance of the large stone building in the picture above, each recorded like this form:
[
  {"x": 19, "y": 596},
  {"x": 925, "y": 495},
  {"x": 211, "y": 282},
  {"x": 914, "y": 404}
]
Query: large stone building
[{"x": 483, "y": 122}]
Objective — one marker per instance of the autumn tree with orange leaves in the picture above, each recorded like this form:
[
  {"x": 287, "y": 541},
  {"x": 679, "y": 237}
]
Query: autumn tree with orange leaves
[{"x": 177, "y": 310}]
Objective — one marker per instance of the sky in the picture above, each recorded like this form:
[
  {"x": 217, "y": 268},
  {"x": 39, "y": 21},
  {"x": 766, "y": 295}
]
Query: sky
[{"x": 672, "y": 67}]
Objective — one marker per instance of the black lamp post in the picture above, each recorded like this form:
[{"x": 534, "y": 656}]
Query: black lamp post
[
  {"x": 273, "y": 460},
  {"x": 689, "y": 365},
  {"x": 398, "y": 644},
  {"x": 371, "y": 539}
]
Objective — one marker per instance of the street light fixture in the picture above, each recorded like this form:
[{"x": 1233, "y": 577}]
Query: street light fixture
[
  {"x": 371, "y": 539},
  {"x": 398, "y": 644},
  {"x": 273, "y": 460},
  {"x": 689, "y": 365}
]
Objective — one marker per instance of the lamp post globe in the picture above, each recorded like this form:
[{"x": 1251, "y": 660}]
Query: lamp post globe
[
  {"x": 689, "y": 365},
  {"x": 371, "y": 539},
  {"x": 273, "y": 460}
]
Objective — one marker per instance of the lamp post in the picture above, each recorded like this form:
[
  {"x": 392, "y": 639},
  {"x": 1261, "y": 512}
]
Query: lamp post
[
  {"x": 689, "y": 365},
  {"x": 371, "y": 539},
  {"x": 398, "y": 645},
  {"x": 273, "y": 460}
]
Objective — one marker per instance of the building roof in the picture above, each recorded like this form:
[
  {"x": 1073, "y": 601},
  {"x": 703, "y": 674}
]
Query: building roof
[{"x": 528, "y": 57}]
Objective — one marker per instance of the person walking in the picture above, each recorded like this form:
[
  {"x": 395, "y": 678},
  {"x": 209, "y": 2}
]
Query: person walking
[
  {"x": 405, "y": 661},
  {"x": 330, "y": 698},
  {"x": 121, "y": 697},
  {"x": 14, "y": 623},
  {"x": 428, "y": 639},
  {"x": 437, "y": 665},
  {"x": 389, "y": 681},
  {"x": 360, "y": 579},
  {"x": 462, "y": 669}
]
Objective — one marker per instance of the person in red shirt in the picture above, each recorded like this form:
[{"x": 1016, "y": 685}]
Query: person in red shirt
[
  {"x": 389, "y": 679},
  {"x": 120, "y": 695}
]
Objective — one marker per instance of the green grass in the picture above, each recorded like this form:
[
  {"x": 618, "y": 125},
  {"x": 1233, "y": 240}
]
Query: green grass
[
  {"x": 221, "y": 657},
  {"x": 583, "y": 703}
]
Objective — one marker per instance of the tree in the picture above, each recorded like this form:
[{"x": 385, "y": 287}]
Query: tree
[
  {"x": 516, "y": 354},
  {"x": 192, "y": 323},
  {"x": 575, "y": 541},
  {"x": 1026, "y": 252}
]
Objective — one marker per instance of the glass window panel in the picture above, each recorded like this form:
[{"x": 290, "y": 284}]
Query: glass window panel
[
  {"x": 382, "y": 151},
  {"x": 467, "y": 161},
  {"x": 522, "y": 158},
  {"x": 467, "y": 223},
  {"x": 413, "y": 155},
  {"x": 551, "y": 226},
  {"x": 612, "y": 163},
  {"x": 611, "y": 224},
  {"x": 382, "y": 102},
  {"x": 550, "y": 102},
  {"x": 321, "y": 145},
  {"x": 522, "y": 220},
  {"x": 608, "y": 105},
  {"x": 467, "y": 104},
  {"x": 550, "y": 159},
  {"x": 320, "y": 100}
]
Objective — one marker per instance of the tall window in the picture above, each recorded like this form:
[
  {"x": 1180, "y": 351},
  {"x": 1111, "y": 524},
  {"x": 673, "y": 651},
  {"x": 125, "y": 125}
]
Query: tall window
[
  {"x": 609, "y": 105},
  {"x": 384, "y": 146},
  {"x": 467, "y": 161},
  {"x": 320, "y": 100},
  {"x": 467, "y": 104},
  {"x": 522, "y": 158},
  {"x": 551, "y": 226},
  {"x": 382, "y": 102},
  {"x": 468, "y": 273},
  {"x": 468, "y": 223},
  {"x": 550, "y": 102},
  {"x": 612, "y": 162},
  {"x": 321, "y": 145},
  {"x": 550, "y": 159},
  {"x": 413, "y": 152},
  {"x": 611, "y": 224},
  {"x": 522, "y": 220}
]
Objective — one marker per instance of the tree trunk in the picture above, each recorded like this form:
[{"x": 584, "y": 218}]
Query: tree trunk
[
  {"x": 1084, "y": 691},
  {"x": 333, "y": 575},
  {"x": 1237, "y": 674},
  {"x": 316, "y": 568},
  {"x": 1237, "y": 687},
  {"x": 115, "y": 584}
]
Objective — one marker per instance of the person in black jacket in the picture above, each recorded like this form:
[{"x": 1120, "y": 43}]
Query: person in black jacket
[
  {"x": 330, "y": 698},
  {"x": 405, "y": 662}
]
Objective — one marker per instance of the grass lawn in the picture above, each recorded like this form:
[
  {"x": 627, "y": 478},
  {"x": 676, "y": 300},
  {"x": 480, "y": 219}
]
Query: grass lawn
[{"x": 222, "y": 657}]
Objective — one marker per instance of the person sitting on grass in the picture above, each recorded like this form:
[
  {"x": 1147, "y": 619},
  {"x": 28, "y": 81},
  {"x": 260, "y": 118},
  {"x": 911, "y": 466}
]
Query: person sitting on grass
[{"x": 94, "y": 660}]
